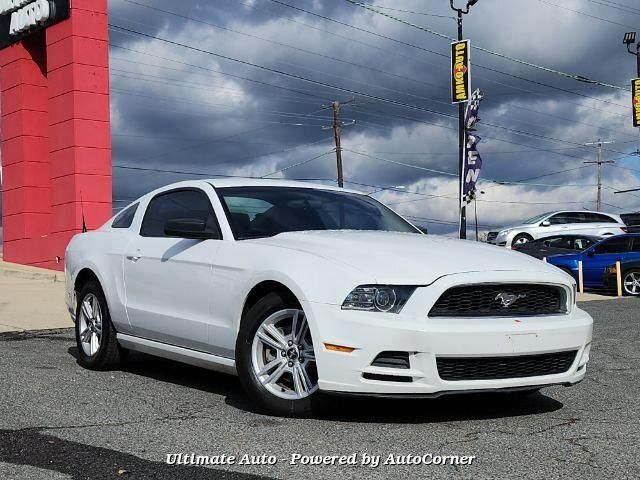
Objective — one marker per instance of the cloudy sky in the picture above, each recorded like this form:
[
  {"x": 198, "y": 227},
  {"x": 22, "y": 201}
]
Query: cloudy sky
[{"x": 187, "y": 107}]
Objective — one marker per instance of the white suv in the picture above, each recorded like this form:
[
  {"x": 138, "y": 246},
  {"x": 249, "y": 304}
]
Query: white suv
[{"x": 583, "y": 223}]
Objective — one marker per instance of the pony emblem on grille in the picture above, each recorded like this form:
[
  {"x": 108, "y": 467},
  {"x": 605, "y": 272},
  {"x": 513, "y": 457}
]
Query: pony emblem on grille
[{"x": 508, "y": 299}]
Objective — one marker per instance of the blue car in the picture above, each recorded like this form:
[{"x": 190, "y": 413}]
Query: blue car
[{"x": 596, "y": 259}]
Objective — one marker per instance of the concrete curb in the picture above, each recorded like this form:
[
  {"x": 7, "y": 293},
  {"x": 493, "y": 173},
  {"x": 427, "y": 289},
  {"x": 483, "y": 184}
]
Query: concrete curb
[{"x": 29, "y": 273}]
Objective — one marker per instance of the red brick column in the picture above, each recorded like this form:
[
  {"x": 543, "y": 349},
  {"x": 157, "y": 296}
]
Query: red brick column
[
  {"x": 78, "y": 122},
  {"x": 25, "y": 153}
]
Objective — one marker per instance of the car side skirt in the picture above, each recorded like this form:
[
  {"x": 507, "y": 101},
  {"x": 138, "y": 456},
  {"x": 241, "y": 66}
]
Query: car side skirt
[{"x": 179, "y": 354}]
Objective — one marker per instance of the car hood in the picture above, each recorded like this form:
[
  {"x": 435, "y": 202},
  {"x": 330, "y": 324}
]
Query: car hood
[{"x": 391, "y": 257}]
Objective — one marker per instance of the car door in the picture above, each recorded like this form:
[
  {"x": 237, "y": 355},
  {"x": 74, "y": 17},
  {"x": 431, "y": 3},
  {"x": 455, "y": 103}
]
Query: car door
[
  {"x": 556, "y": 246},
  {"x": 558, "y": 224},
  {"x": 168, "y": 279},
  {"x": 603, "y": 255},
  {"x": 599, "y": 222}
]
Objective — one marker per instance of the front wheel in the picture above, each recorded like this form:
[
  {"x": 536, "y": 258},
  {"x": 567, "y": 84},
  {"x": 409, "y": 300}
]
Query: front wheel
[
  {"x": 98, "y": 347},
  {"x": 631, "y": 283},
  {"x": 275, "y": 358},
  {"x": 521, "y": 239}
]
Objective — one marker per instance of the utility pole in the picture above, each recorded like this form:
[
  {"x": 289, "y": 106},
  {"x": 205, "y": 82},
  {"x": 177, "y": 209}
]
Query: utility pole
[
  {"x": 337, "y": 130},
  {"x": 461, "y": 132},
  {"x": 336, "y": 135},
  {"x": 599, "y": 162}
]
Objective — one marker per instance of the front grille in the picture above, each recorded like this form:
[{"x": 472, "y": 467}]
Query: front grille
[
  {"x": 500, "y": 300},
  {"x": 495, "y": 368},
  {"x": 491, "y": 236}
]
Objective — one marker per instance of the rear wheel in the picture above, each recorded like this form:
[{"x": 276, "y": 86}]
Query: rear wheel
[
  {"x": 98, "y": 347},
  {"x": 275, "y": 357},
  {"x": 521, "y": 238},
  {"x": 631, "y": 282}
]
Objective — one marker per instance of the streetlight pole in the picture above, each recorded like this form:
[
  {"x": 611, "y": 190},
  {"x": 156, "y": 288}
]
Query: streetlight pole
[
  {"x": 461, "y": 139},
  {"x": 629, "y": 39}
]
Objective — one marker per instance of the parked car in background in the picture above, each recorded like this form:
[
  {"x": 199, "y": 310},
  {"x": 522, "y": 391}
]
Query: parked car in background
[
  {"x": 630, "y": 276},
  {"x": 301, "y": 289},
  {"x": 555, "y": 223},
  {"x": 598, "y": 258},
  {"x": 632, "y": 220},
  {"x": 556, "y": 245}
]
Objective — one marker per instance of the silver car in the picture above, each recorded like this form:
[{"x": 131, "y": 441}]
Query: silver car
[{"x": 552, "y": 223}]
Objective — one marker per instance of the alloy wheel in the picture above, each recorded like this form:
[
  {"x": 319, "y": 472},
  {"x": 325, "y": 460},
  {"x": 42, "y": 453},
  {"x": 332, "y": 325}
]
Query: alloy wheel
[
  {"x": 282, "y": 355},
  {"x": 90, "y": 324},
  {"x": 632, "y": 283}
]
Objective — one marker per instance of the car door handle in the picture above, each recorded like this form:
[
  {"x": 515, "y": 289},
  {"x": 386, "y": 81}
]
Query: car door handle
[{"x": 134, "y": 258}]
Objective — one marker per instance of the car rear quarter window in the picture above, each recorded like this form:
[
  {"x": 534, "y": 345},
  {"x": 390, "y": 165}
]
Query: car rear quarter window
[
  {"x": 178, "y": 204},
  {"x": 600, "y": 218},
  {"x": 125, "y": 218}
]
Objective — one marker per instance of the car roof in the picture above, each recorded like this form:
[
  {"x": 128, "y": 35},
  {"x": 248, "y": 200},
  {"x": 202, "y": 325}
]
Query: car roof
[
  {"x": 243, "y": 182},
  {"x": 570, "y": 235},
  {"x": 272, "y": 182}
]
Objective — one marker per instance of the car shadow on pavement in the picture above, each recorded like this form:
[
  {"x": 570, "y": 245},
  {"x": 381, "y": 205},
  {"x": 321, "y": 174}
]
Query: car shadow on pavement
[
  {"x": 451, "y": 408},
  {"x": 468, "y": 406},
  {"x": 34, "y": 448}
]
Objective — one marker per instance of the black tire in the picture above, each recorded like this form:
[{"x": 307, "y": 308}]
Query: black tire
[
  {"x": 521, "y": 238},
  {"x": 624, "y": 275},
  {"x": 263, "y": 308},
  {"x": 109, "y": 353}
]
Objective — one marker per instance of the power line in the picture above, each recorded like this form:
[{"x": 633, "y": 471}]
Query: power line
[
  {"x": 413, "y": 12},
  {"x": 617, "y": 6},
  {"x": 571, "y": 76},
  {"x": 401, "y": 42},
  {"x": 282, "y": 44},
  {"x": 297, "y": 164},
  {"x": 586, "y": 14}
]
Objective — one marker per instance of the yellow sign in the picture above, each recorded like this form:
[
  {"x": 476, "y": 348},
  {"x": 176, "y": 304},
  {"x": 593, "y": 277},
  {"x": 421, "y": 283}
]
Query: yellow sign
[
  {"x": 460, "y": 72},
  {"x": 635, "y": 95}
]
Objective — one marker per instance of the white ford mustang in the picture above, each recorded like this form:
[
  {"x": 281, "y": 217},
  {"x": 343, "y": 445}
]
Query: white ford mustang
[{"x": 302, "y": 289}]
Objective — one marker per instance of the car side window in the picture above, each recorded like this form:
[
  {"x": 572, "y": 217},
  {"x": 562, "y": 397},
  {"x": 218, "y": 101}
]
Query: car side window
[
  {"x": 559, "y": 219},
  {"x": 125, "y": 218},
  {"x": 614, "y": 245},
  {"x": 178, "y": 204},
  {"x": 555, "y": 242},
  {"x": 582, "y": 244}
]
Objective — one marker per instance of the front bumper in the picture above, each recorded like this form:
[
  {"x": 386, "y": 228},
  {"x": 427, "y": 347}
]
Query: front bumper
[
  {"x": 503, "y": 239},
  {"x": 425, "y": 339}
]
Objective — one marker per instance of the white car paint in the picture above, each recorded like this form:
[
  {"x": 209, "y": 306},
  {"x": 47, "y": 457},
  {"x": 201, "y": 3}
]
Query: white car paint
[
  {"x": 540, "y": 229},
  {"x": 183, "y": 299}
]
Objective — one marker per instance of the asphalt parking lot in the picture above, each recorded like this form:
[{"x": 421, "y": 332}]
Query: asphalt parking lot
[{"x": 58, "y": 421}]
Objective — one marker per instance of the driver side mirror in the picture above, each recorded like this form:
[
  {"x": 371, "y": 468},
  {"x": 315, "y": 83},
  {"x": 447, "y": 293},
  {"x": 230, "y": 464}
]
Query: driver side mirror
[
  {"x": 546, "y": 223},
  {"x": 191, "y": 228}
]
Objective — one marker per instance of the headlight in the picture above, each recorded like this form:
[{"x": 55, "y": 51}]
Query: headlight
[{"x": 378, "y": 298}]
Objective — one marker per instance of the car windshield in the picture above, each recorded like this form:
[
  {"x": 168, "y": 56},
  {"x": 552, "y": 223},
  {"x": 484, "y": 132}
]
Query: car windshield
[
  {"x": 256, "y": 212},
  {"x": 536, "y": 219}
]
